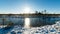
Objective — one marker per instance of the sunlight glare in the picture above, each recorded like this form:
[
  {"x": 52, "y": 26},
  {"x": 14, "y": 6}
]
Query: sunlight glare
[
  {"x": 26, "y": 10},
  {"x": 27, "y": 22}
]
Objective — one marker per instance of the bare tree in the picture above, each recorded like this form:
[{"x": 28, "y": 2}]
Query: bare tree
[
  {"x": 45, "y": 11},
  {"x": 36, "y": 12}
]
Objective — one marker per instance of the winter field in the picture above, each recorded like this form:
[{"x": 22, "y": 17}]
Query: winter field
[{"x": 48, "y": 29}]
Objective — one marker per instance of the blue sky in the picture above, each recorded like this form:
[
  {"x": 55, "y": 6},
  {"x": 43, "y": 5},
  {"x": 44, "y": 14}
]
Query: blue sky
[{"x": 17, "y": 6}]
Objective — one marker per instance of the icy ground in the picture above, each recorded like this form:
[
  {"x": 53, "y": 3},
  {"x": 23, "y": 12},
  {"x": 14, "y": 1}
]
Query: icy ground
[{"x": 48, "y": 29}]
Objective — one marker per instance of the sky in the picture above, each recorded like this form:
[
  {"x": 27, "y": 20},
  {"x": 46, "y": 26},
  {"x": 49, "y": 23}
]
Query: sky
[{"x": 19, "y": 6}]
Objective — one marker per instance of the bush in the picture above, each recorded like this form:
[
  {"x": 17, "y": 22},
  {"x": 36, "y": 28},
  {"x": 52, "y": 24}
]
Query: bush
[{"x": 10, "y": 24}]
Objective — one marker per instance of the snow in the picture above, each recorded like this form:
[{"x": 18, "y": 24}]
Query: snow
[{"x": 48, "y": 29}]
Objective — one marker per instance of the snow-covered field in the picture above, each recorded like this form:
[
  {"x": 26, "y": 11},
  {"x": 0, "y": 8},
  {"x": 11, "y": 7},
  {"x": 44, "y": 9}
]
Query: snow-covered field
[{"x": 48, "y": 29}]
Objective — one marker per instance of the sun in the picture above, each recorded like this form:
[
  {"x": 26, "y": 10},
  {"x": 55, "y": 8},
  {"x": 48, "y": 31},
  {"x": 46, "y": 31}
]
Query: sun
[{"x": 27, "y": 10}]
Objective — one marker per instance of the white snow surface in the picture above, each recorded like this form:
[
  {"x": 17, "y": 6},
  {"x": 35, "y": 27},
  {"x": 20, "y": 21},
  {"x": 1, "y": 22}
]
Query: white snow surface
[{"x": 48, "y": 29}]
